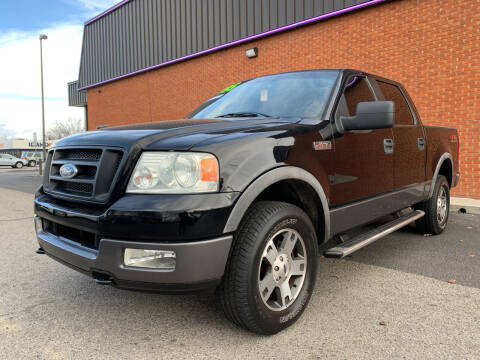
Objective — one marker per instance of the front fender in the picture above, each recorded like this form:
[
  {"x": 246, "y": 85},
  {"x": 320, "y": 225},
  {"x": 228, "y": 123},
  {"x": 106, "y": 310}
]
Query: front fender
[{"x": 267, "y": 179}]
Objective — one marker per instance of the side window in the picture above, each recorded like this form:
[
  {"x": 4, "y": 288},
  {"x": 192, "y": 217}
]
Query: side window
[
  {"x": 403, "y": 115},
  {"x": 356, "y": 90}
]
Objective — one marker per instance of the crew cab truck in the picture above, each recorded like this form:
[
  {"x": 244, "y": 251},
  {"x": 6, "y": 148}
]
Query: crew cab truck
[{"x": 240, "y": 195}]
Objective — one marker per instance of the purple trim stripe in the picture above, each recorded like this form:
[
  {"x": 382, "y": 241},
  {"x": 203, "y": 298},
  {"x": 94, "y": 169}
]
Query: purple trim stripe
[
  {"x": 106, "y": 12},
  {"x": 236, "y": 42},
  {"x": 351, "y": 82}
]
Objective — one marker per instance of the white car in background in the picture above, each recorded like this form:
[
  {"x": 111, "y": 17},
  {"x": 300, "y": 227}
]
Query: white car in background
[{"x": 14, "y": 162}]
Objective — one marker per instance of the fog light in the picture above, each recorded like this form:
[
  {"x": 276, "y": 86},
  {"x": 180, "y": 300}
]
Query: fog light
[
  {"x": 38, "y": 224},
  {"x": 152, "y": 259}
]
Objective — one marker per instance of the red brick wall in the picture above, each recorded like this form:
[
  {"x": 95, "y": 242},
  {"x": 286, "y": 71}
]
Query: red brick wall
[{"x": 431, "y": 46}]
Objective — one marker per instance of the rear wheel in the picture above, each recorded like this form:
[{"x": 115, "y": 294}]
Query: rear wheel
[
  {"x": 19, "y": 165},
  {"x": 32, "y": 163},
  {"x": 272, "y": 268},
  {"x": 436, "y": 209}
]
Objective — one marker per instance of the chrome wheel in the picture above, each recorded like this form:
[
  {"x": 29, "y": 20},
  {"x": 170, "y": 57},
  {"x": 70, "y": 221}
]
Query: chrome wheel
[
  {"x": 282, "y": 269},
  {"x": 442, "y": 206}
]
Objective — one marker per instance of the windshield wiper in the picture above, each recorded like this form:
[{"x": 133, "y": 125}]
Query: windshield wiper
[{"x": 244, "y": 114}]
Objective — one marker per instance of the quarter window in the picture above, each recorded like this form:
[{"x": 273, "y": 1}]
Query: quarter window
[{"x": 403, "y": 115}]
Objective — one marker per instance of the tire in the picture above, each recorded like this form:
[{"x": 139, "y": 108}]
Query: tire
[
  {"x": 436, "y": 209},
  {"x": 19, "y": 165},
  {"x": 248, "y": 269},
  {"x": 32, "y": 163}
]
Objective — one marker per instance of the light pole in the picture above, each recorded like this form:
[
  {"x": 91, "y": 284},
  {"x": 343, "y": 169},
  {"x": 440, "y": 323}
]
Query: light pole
[{"x": 42, "y": 37}]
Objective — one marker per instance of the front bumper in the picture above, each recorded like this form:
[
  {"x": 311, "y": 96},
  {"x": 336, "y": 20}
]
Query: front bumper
[
  {"x": 199, "y": 265},
  {"x": 151, "y": 218}
]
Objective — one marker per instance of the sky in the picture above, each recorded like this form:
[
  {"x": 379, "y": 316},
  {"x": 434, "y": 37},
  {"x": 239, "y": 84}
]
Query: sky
[{"x": 21, "y": 22}]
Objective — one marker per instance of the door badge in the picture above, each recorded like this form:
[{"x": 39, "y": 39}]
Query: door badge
[{"x": 322, "y": 145}]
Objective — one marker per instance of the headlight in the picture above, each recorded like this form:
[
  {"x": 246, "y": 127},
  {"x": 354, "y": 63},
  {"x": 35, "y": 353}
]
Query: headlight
[{"x": 175, "y": 173}]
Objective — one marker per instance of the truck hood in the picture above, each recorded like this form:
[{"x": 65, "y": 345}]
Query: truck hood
[{"x": 180, "y": 135}]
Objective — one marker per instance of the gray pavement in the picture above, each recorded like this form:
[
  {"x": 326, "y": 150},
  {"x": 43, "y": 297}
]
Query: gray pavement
[
  {"x": 26, "y": 180},
  {"x": 453, "y": 255},
  {"x": 48, "y": 311}
]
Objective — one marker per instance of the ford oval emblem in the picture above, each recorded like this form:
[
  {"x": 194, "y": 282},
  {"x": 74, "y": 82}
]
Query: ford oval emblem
[{"x": 68, "y": 171}]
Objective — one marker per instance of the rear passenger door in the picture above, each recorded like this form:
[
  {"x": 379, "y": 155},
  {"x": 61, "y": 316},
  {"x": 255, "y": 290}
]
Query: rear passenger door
[
  {"x": 10, "y": 160},
  {"x": 409, "y": 144}
]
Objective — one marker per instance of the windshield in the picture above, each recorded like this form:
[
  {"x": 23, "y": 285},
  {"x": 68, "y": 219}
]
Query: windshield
[{"x": 298, "y": 94}]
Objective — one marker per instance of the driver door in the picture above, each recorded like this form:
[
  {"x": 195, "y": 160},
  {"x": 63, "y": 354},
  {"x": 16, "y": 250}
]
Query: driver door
[{"x": 363, "y": 163}]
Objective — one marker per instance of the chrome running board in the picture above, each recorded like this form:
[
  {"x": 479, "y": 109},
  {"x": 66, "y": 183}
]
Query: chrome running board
[{"x": 369, "y": 237}]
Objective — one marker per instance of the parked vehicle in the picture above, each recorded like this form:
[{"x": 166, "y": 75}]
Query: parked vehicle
[
  {"x": 240, "y": 196},
  {"x": 14, "y": 162},
  {"x": 33, "y": 157}
]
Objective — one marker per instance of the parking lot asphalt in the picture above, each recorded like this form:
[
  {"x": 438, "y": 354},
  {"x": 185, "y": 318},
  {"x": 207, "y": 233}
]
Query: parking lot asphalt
[
  {"x": 24, "y": 180},
  {"x": 48, "y": 311}
]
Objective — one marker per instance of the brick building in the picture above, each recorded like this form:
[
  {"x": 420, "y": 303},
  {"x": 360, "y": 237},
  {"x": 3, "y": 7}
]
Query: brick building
[{"x": 156, "y": 60}]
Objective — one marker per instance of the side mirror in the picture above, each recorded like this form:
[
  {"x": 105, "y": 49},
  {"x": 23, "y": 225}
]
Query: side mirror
[{"x": 369, "y": 115}]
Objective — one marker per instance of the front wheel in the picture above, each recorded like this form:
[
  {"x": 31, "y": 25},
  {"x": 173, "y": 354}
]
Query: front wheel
[
  {"x": 32, "y": 163},
  {"x": 19, "y": 165},
  {"x": 271, "y": 272},
  {"x": 436, "y": 209}
]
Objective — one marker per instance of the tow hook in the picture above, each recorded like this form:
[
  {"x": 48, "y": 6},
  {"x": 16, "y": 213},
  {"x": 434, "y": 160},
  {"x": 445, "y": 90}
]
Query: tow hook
[
  {"x": 102, "y": 279},
  {"x": 40, "y": 251}
]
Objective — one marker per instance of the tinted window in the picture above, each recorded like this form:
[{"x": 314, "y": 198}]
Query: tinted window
[
  {"x": 298, "y": 94},
  {"x": 356, "y": 90},
  {"x": 403, "y": 116}
]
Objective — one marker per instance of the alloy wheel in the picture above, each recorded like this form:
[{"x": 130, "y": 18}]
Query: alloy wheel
[
  {"x": 442, "y": 206},
  {"x": 282, "y": 269}
]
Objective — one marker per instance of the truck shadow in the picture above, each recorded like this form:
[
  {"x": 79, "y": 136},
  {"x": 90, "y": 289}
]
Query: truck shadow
[{"x": 454, "y": 254}]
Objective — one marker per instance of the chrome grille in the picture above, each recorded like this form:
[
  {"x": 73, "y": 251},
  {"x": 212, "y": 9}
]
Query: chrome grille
[{"x": 94, "y": 180}]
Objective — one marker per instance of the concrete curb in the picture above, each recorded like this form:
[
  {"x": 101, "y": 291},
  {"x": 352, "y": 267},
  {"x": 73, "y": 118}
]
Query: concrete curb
[{"x": 472, "y": 206}]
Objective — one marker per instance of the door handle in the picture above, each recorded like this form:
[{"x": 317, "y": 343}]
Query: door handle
[
  {"x": 421, "y": 144},
  {"x": 388, "y": 146}
]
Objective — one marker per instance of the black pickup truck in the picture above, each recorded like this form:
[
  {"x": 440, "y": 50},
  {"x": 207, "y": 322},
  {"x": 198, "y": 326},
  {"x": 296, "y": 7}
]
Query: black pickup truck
[{"x": 241, "y": 194}]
